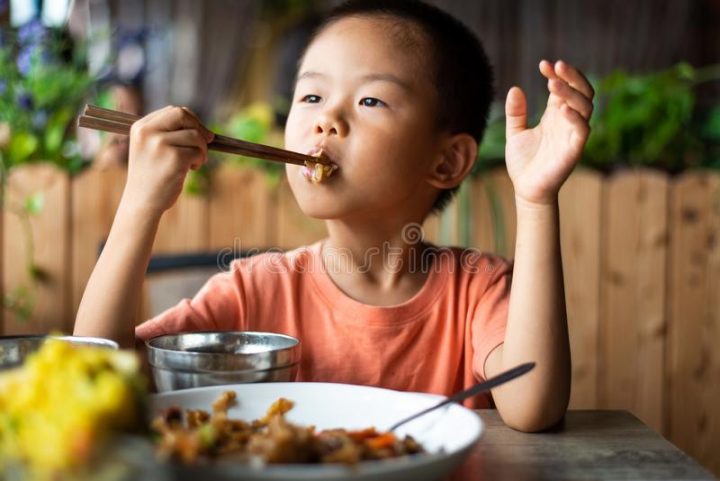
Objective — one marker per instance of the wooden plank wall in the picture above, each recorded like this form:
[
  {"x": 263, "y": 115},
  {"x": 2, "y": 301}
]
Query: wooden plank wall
[
  {"x": 693, "y": 362},
  {"x": 632, "y": 346},
  {"x": 50, "y": 234},
  {"x": 641, "y": 258}
]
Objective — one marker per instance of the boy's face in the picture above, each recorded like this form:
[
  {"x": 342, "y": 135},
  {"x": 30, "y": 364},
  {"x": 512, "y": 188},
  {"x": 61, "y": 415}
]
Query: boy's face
[{"x": 365, "y": 97}]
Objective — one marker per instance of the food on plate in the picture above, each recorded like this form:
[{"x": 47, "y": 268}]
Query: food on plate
[
  {"x": 65, "y": 400},
  {"x": 198, "y": 435},
  {"x": 317, "y": 172}
]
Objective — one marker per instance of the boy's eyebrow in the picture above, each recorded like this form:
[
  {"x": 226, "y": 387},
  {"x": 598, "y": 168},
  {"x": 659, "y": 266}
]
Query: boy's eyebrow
[
  {"x": 386, "y": 77},
  {"x": 373, "y": 77}
]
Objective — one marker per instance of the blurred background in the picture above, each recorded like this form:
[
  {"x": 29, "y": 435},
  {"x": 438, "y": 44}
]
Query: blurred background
[{"x": 640, "y": 216}]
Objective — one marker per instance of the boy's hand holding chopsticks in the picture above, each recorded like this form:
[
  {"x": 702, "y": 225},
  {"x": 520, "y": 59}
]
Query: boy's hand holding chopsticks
[
  {"x": 98, "y": 118},
  {"x": 165, "y": 144}
]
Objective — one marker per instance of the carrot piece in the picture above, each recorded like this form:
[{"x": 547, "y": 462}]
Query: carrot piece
[{"x": 383, "y": 441}]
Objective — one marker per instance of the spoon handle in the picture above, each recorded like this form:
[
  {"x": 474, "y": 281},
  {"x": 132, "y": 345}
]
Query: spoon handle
[{"x": 478, "y": 388}]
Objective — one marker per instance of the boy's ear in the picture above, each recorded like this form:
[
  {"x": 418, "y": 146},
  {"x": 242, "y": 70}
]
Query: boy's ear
[{"x": 454, "y": 163}]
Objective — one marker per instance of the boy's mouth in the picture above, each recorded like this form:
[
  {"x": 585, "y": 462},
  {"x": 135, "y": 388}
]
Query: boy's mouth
[{"x": 319, "y": 172}]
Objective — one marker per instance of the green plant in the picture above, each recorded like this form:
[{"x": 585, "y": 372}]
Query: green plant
[
  {"x": 652, "y": 120},
  {"x": 254, "y": 123},
  {"x": 43, "y": 81}
]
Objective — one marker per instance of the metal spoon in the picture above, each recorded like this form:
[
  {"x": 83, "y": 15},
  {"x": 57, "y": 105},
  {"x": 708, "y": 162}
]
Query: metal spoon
[{"x": 478, "y": 388}]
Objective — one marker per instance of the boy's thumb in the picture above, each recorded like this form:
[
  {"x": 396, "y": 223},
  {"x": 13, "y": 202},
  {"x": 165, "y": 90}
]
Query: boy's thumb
[{"x": 515, "y": 112}]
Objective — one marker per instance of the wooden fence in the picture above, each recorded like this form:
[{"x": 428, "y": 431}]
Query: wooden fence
[{"x": 640, "y": 251}]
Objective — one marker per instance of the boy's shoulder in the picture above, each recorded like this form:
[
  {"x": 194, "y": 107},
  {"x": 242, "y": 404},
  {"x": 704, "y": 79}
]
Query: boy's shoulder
[
  {"x": 277, "y": 261},
  {"x": 469, "y": 261}
]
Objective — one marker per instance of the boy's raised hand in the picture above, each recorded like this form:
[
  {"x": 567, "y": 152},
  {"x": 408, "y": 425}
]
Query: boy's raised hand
[
  {"x": 164, "y": 145},
  {"x": 540, "y": 159}
]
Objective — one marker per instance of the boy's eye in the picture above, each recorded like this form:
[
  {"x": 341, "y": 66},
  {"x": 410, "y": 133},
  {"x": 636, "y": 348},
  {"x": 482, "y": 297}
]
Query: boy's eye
[
  {"x": 372, "y": 102},
  {"x": 311, "y": 99}
]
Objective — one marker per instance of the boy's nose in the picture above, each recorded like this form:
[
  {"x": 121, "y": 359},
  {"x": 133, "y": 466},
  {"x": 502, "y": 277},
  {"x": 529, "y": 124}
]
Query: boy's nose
[{"x": 328, "y": 124}]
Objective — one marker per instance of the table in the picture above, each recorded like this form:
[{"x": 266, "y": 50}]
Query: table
[{"x": 598, "y": 445}]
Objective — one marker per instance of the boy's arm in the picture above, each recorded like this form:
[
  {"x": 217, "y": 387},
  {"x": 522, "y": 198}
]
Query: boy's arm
[
  {"x": 163, "y": 147},
  {"x": 539, "y": 160}
]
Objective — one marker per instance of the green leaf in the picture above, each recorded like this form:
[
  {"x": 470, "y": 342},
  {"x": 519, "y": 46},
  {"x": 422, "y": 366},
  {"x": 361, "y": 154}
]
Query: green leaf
[
  {"x": 711, "y": 128},
  {"x": 34, "y": 204},
  {"x": 55, "y": 131},
  {"x": 20, "y": 301},
  {"x": 22, "y": 146},
  {"x": 248, "y": 129}
]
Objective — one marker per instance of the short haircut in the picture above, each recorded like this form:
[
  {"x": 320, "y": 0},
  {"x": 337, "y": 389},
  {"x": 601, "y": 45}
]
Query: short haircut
[{"x": 462, "y": 73}]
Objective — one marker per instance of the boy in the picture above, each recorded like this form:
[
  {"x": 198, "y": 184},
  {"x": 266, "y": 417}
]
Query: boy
[{"x": 397, "y": 95}]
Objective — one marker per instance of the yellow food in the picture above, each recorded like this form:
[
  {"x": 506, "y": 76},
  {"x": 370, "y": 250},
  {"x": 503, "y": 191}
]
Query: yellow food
[
  {"x": 58, "y": 407},
  {"x": 319, "y": 172}
]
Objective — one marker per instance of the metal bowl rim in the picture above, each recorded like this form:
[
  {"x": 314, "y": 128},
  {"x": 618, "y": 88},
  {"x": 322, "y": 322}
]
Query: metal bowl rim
[
  {"x": 149, "y": 344},
  {"x": 99, "y": 341},
  {"x": 223, "y": 373}
]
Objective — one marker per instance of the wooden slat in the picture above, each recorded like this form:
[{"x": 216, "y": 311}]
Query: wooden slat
[
  {"x": 633, "y": 294},
  {"x": 242, "y": 209},
  {"x": 580, "y": 216},
  {"x": 493, "y": 207},
  {"x": 95, "y": 195},
  {"x": 694, "y": 317},
  {"x": 185, "y": 226},
  {"x": 294, "y": 228},
  {"x": 51, "y": 248}
]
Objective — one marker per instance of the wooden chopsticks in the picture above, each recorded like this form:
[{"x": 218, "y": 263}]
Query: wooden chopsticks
[{"x": 98, "y": 118}]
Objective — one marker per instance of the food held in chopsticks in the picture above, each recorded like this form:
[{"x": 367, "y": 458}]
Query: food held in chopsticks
[
  {"x": 119, "y": 122},
  {"x": 270, "y": 439},
  {"x": 58, "y": 408},
  {"x": 317, "y": 172}
]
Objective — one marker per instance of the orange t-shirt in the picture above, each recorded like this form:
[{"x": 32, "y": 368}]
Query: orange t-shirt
[{"x": 435, "y": 342}]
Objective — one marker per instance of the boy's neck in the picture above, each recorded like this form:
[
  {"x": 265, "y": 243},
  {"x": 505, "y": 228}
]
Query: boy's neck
[{"x": 380, "y": 264}]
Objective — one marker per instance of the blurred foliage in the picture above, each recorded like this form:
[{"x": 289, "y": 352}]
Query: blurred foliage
[
  {"x": 491, "y": 152},
  {"x": 639, "y": 120},
  {"x": 651, "y": 120},
  {"x": 254, "y": 123},
  {"x": 43, "y": 81}
]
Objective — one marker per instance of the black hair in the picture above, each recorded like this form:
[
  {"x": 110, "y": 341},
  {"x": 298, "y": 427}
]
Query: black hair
[{"x": 463, "y": 75}]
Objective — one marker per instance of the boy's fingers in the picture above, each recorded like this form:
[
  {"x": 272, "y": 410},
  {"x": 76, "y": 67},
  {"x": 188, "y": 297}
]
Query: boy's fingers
[
  {"x": 547, "y": 69},
  {"x": 581, "y": 130},
  {"x": 209, "y": 135},
  {"x": 146, "y": 120},
  {"x": 575, "y": 78},
  {"x": 572, "y": 97},
  {"x": 192, "y": 157},
  {"x": 515, "y": 112},
  {"x": 188, "y": 156},
  {"x": 175, "y": 118},
  {"x": 186, "y": 138},
  {"x": 566, "y": 72}
]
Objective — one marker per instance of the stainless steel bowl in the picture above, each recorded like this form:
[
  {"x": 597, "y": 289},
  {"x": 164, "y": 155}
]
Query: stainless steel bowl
[
  {"x": 195, "y": 359},
  {"x": 14, "y": 349}
]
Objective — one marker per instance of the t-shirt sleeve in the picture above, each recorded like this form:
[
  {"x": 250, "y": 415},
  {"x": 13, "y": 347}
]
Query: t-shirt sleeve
[
  {"x": 491, "y": 312},
  {"x": 219, "y": 305}
]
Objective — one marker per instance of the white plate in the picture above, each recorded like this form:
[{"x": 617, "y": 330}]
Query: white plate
[{"x": 448, "y": 433}]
